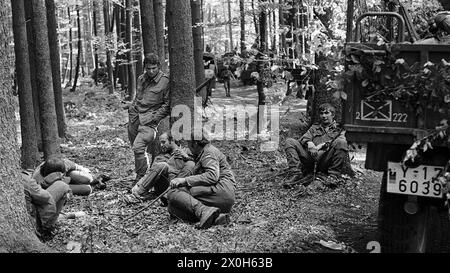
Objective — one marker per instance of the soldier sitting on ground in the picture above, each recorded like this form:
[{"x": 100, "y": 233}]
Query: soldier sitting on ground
[
  {"x": 167, "y": 165},
  {"x": 323, "y": 148},
  {"x": 79, "y": 178},
  {"x": 44, "y": 206},
  {"x": 208, "y": 195}
]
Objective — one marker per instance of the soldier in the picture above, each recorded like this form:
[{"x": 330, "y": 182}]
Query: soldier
[
  {"x": 324, "y": 145},
  {"x": 168, "y": 165},
  {"x": 208, "y": 195},
  {"x": 79, "y": 178},
  {"x": 44, "y": 205},
  {"x": 149, "y": 107},
  {"x": 226, "y": 76}
]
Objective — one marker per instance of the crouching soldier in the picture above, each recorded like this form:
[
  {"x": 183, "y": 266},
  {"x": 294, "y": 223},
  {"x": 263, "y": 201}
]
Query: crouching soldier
[
  {"x": 167, "y": 165},
  {"x": 322, "y": 148},
  {"x": 208, "y": 195},
  {"x": 44, "y": 206}
]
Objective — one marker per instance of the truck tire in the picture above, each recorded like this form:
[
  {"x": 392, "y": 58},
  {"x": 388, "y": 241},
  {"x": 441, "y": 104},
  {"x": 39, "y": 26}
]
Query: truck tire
[{"x": 399, "y": 232}]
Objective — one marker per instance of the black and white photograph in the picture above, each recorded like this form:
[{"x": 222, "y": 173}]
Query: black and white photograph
[{"x": 225, "y": 135}]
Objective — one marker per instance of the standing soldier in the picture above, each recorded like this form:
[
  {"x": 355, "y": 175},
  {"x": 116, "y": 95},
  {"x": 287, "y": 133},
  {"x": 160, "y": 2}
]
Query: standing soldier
[{"x": 149, "y": 107}]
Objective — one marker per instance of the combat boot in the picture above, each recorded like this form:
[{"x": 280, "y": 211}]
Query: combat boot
[{"x": 207, "y": 216}]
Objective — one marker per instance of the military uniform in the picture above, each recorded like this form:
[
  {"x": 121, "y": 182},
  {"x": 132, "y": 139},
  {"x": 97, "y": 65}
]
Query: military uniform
[
  {"x": 44, "y": 206},
  {"x": 149, "y": 107},
  {"x": 332, "y": 159},
  {"x": 165, "y": 168},
  {"x": 78, "y": 177},
  {"x": 211, "y": 185}
]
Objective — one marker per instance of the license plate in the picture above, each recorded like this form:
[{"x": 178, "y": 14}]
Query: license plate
[{"x": 421, "y": 181}]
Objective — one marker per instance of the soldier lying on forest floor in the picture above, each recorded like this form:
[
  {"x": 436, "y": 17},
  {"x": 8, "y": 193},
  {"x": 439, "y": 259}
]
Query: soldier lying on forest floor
[
  {"x": 79, "y": 178},
  {"x": 167, "y": 166},
  {"x": 319, "y": 155}
]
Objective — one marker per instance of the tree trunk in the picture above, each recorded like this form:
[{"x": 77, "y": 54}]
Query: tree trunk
[
  {"x": 276, "y": 27},
  {"x": 242, "y": 13},
  {"x": 88, "y": 36},
  {"x": 80, "y": 46},
  {"x": 44, "y": 81},
  {"x": 109, "y": 67},
  {"x": 255, "y": 18},
  {"x": 137, "y": 41},
  {"x": 70, "y": 48},
  {"x": 269, "y": 29},
  {"x": 158, "y": 10},
  {"x": 182, "y": 78},
  {"x": 32, "y": 57},
  {"x": 281, "y": 22},
  {"x": 261, "y": 61},
  {"x": 56, "y": 69},
  {"x": 148, "y": 27},
  {"x": 263, "y": 29},
  {"x": 198, "y": 47},
  {"x": 123, "y": 76},
  {"x": 29, "y": 151},
  {"x": 95, "y": 27},
  {"x": 230, "y": 26},
  {"x": 118, "y": 69},
  {"x": 129, "y": 43},
  {"x": 16, "y": 229}
]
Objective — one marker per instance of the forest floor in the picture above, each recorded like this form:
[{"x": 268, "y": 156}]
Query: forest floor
[{"x": 266, "y": 217}]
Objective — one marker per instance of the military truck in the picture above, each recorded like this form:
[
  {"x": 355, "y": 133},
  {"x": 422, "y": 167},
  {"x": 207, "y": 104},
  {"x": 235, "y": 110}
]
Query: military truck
[{"x": 411, "y": 215}]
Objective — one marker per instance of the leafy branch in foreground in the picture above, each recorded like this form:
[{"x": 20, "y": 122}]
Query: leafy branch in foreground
[{"x": 425, "y": 143}]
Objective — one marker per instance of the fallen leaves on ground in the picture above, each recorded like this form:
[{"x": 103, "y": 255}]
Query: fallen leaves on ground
[{"x": 265, "y": 217}]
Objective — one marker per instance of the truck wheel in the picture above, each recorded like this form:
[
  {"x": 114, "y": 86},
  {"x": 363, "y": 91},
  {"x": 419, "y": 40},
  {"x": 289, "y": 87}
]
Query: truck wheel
[{"x": 399, "y": 232}]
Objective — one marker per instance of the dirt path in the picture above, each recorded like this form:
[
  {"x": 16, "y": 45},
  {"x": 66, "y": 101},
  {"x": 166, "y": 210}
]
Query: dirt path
[{"x": 266, "y": 217}]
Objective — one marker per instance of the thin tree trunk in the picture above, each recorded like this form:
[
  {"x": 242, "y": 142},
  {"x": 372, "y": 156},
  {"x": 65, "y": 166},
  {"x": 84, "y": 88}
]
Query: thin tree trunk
[
  {"x": 137, "y": 41},
  {"x": 44, "y": 81},
  {"x": 123, "y": 66},
  {"x": 158, "y": 10},
  {"x": 70, "y": 48},
  {"x": 56, "y": 70},
  {"x": 261, "y": 62},
  {"x": 32, "y": 57},
  {"x": 230, "y": 26},
  {"x": 269, "y": 30},
  {"x": 95, "y": 27},
  {"x": 148, "y": 27},
  {"x": 80, "y": 46},
  {"x": 29, "y": 151},
  {"x": 117, "y": 70},
  {"x": 181, "y": 54},
  {"x": 275, "y": 22},
  {"x": 242, "y": 13},
  {"x": 109, "y": 67},
  {"x": 281, "y": 19},
  {"x": 129, "y": 43},
  {"x": 88, "y": 35},
  {"x": 255, "y": 19},
  {"x": 198, "y": 48}
]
